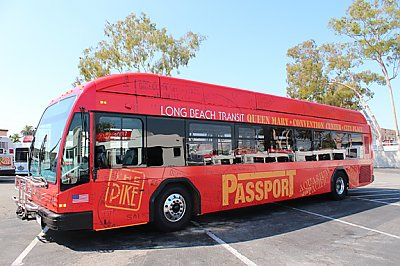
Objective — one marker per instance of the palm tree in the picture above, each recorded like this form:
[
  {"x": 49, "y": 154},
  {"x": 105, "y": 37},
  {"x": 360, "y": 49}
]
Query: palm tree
[{"x": 28, "y": 130}]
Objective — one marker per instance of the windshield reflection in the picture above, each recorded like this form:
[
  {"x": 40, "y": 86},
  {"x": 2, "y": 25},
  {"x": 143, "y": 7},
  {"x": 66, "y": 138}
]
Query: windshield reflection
[{"x": 47, "y": 140}]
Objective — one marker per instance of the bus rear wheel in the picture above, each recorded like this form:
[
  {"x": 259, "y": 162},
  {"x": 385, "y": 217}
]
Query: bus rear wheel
[
  {"x": 173, "y": 208},
  {"x": 339, "y": 186}
]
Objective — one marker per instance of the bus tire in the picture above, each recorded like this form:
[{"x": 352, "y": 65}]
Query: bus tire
[
  {"x": 173, "y": 209},
  {"x": 339, "y": 186}
]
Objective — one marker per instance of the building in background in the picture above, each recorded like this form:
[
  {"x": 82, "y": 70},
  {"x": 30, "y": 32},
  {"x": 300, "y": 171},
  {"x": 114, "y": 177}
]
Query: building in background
[
  {"x": 388, "y": 136},
  {"x": 3, "y": 132}
]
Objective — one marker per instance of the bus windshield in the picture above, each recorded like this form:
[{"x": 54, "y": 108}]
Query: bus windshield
[{"x": 46, "y": 143}]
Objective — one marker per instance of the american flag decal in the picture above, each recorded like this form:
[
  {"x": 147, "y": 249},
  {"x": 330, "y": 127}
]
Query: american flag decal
[{"x": 79, "y": 198}]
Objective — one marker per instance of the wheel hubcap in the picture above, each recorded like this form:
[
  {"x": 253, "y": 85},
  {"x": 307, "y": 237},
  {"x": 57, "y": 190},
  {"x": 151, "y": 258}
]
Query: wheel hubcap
[
  {"x": 340, "y": 185},
  {"x": 174, "y": 207}
]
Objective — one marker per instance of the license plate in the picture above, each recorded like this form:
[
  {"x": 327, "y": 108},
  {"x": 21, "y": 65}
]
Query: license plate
[{"x": 39, "y": 219}]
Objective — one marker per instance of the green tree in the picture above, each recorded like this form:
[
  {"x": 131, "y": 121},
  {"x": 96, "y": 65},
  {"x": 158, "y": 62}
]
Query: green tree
[
  {"x": 137, "y": 45},
  {"x": 27, "y": 130},
  {"x": 374, "y": 30},
  {"x": 15, "y": 138},
  {"x": 320, "y": 74},
  {"x": 328, "y": 74}
]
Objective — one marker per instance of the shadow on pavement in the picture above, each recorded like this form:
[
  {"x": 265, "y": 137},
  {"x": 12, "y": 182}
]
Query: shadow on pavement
[{"x": 232, "y": 226}]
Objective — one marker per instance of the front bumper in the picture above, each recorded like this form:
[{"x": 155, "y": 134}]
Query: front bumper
[
  {"x": 66, "y": 221},
  {"x": 7, "y": 172}
]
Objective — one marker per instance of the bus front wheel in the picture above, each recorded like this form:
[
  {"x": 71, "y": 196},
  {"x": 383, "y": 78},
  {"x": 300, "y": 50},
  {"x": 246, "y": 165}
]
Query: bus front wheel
[
  {"x": 173, "y": 208},
  {"x": 339, "y": 186}
]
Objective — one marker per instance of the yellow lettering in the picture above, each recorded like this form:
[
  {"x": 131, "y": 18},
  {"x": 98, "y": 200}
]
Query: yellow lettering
[
  {"x": 276, "y": 191},
  {"x": 229, "y": 185},
  {"x": 240, "y": 194},
  {"x": 115, "y": 191},
  {"x": 285, "y": 187},
  {"x": 134, "y": 192},
  {"x": 259, "y": 190},
  {"x": 267, "y": 188},
  {"x": 291, "y": 174},
  {"x": 126, "y": 194},
  {"x": 257, "y": 186},
  {"x": 250, "y": 192}
]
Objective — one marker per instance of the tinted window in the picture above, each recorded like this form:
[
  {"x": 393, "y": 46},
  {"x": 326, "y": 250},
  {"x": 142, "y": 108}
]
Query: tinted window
[
  {"x": 209, "y": 143},
  {"x": 354, "y": 146},
  {"x": 279, "y": 139},
  {"x": 303, "y": 138},
  {"x": 165, "y": 141},
  {"x": 119, "y": 141},
  {"x": 323, "y": 140},
  {"x": 304, "y": 141},
  {"x": 21, "y": 154},
  {"x": 250, "y": 140},
  {"x": 75, "y": 160}
]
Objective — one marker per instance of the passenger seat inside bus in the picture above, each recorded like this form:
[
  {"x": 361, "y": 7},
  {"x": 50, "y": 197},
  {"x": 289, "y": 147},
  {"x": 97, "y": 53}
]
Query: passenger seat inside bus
[
  {"x": 101, "y": 157},
  {"x": 130, "y": 158}
]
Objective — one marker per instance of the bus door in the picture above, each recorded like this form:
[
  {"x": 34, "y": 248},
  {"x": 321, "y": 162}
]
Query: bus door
[{"x": 118, "y": 149}]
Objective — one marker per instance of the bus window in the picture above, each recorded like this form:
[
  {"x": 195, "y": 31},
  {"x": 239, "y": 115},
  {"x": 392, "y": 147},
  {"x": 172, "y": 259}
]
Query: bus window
[
  {"x": 250, "y": 145},
  {"x": 323, "y": 145},
  {"x": 279, "y": 142},
  {"x": 209, "y": 143},
  {"x": 303, "y": 148},
  {"x": 165, "y": 138},
  {"x": 119, "y": 141},
  {"x": 354, "y": 146},
  {"x": 250, "y": 139},
  {"x": 75, "y": 160},
  {"x": 339, "y": 151},
  {"x": 323, "y": 140}
]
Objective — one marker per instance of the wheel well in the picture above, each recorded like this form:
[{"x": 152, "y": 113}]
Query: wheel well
[{"x": 182, "y": 182}]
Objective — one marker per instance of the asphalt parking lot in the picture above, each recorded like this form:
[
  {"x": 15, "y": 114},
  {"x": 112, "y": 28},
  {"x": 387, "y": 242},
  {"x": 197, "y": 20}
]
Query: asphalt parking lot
[{"x": 363, "y": 229}]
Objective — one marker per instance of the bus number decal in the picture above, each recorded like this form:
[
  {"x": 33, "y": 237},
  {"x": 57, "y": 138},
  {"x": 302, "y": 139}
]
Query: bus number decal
[
  {"x": 124, "y": 190},
  {"x": 259, "y": 186}
]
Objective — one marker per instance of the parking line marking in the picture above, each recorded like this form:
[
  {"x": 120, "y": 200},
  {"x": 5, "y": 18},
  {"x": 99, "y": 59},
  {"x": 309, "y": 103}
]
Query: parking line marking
[
  {"x": 382, "y": 202},
  {"x": 21, "y": 257},
  {"x": 398, "y": 198},
  {"x": 374, "y": 195},
  {"x": 388, "y": 186},
  {"x": 238, "y": 255},
  {"x": 341, "y": 221},
  {"x": 351, "y": 192}
]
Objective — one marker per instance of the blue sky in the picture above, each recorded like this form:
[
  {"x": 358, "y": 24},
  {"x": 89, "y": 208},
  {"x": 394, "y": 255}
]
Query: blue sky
[{"x": 246, "y": 45}]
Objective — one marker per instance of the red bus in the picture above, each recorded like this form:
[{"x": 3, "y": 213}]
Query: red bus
[{"x": 134, "y": 148}]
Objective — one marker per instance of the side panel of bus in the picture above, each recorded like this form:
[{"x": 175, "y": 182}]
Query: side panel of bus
[{"x": 123, "y": 197}]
